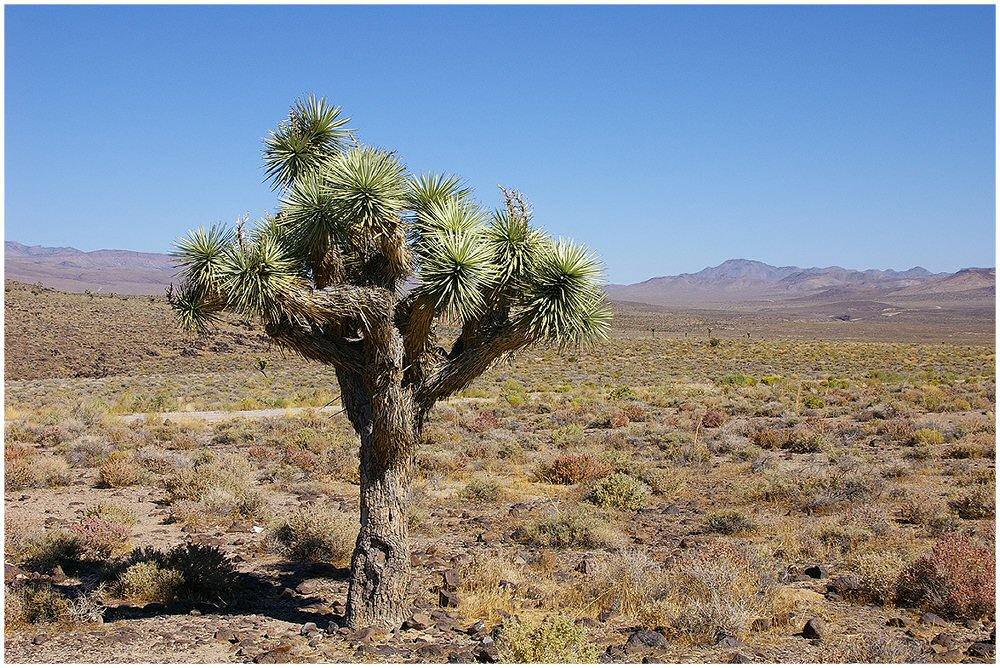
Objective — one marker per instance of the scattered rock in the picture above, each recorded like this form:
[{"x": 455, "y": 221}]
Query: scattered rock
[
  {"x": 896, "y": 622},
  {"x": 815, "y": 629},
  {"x": 817, "y": 572},
  {"x": 418, "y": 621},
  {"x": 945, "y": 639},
  {"x": 451, "y": 579},
  {"x": 429, "y": 650},
  {"x": 932, "y": 619},
  {"x": 982, "y": 650},
  {"x": 449, "y": 599},
  {"x": 279, "y": 654},
  {"x": 647, "y": 638},
  {"x": 307, "y": 587}
]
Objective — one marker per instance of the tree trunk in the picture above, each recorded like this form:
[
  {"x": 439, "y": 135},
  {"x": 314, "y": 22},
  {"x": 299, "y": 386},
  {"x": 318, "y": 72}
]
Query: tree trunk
[{"x": 380, "y": 568}]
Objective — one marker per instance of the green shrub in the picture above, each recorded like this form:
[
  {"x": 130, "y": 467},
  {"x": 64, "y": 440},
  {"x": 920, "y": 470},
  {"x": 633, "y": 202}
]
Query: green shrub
[
  {"x": 55, "y": 548},
  {"x": 575, "y": 528},
  {"x": 979, "y": 503},
  {"x": 146, "y": 581},
  {"x": 555, "y": 640},
  {"x": 928, "y": 437},
  {"x": 619, "y": 490},
  {"x": 737, "y": 380},
  {"x": 34, "y": 603}
]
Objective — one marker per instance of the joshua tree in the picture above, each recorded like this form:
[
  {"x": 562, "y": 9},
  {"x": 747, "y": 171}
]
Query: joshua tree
[{"x": 357, "y": 269}]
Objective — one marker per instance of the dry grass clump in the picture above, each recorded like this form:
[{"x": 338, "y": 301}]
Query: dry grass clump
[
  {"x": 878, "y": 573},
  {"x": 555, "y": 639},
  {"x": 570, "y": 469},
  {"x": 729, "y": 521},
  {"x": 484, "y": 489},
  {"x": 316, "y": 534},
  {"x": 187, "y": 572},
  {"x": 957, "y": 580},
  {"x": 619, "y": 490},
  {"x": 489, "y": 583},
  {"x": 121, "y": 469},
  {"x": 631, "y": 581},
  {"x": 216, "y": 490},
  {"x": 24, "y": 468},
  {"x": 979, "y": 503},
  {"x": 58, "y": 547},
  {"x": 877, "y": 647},
  {"x": 146, "y": 581},
  {"x": 33, "y": 603},
  {"x": 719, "y": 592},
  {"x": 112, "y": 512},
  {"x": 573, "y": 528}
]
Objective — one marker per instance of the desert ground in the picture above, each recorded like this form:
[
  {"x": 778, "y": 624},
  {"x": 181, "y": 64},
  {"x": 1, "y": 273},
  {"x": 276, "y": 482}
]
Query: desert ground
[{"x": 766, "y": 486}]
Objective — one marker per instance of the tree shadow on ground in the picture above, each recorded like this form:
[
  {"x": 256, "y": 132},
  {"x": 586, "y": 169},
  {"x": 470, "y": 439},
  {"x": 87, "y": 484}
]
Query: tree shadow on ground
[{"x": 266, "y": 595}]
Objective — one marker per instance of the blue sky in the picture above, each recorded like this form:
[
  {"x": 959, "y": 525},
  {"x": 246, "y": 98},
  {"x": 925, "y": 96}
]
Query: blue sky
[{"x": 667, "y": 138}]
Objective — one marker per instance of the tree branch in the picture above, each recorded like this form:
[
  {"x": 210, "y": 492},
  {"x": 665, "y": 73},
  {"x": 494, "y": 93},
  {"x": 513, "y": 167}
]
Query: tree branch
[
  {"x": 464, "y": 366},
  {"x": 339, "y": 351}
]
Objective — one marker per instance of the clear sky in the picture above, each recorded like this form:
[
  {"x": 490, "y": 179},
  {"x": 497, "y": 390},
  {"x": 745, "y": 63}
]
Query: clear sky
[{"x": 667, "y": 138}]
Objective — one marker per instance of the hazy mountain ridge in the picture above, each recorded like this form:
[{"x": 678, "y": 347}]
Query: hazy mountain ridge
[
  {"x": 72, "y": 270},
  {"x": 753, "y": 281},
  {"x": 737, "y": 281}
]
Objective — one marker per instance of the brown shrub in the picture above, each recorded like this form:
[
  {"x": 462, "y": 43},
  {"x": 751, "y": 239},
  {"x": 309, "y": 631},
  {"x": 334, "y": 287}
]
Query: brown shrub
[{"x": 956, "y": 580}]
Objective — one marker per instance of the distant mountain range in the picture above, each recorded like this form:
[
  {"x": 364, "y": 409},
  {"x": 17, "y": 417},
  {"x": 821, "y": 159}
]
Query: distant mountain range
[
  {"x": 734, "y": 282},
  {"x": 742, "y": 281},
  {"x": 104, "y": 271}
]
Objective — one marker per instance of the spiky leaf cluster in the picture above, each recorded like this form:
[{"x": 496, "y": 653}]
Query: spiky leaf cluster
[{"x": 352, "y": 217}]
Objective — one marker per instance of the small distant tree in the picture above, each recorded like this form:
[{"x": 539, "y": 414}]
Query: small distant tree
[{"x": 357, "y": 269}]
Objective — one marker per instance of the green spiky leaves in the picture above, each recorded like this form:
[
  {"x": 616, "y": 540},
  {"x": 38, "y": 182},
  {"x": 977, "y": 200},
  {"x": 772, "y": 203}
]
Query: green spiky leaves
[
  {"x": 561, "y": 298},
  {"x": 312, "y": 135},
  {"x": 456, "y": 265}
]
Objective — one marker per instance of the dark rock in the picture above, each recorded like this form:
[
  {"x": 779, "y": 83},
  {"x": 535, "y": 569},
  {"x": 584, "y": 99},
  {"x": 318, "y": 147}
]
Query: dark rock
[
  {"x": 287, "y": 593},
  {"x": 815, "y": 628},
  {"x": 307, "y": 587},
  {"x": 896, "y": 622},
  {"x": 932, "y": 619},
  {"x": 280, "y": 654},
  {"x": 418, "y": 621},
  {"x": 588, "y": 566},
  {"x": 451, "y": 579},
  {"x": 332, "y": 628},
  {"x": 477, "y": 629},
  {"x": 982, "y": 650},
  {"x": 945, "y": 639},
  {"x": 845, "y": 584},
  {"x": 11, "y": 572},
  {"x": 817, "y": 572},
  {"x": 449, "y": 599},
  {"x": 307, "y": 628},
  {"x": 487, "y": 652},
  {"x": 461, "y": 657},
  {"x": 429, "y": 650},
  {"x": 647, "y": 638},
  {"x": 315, "y": 640}
]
